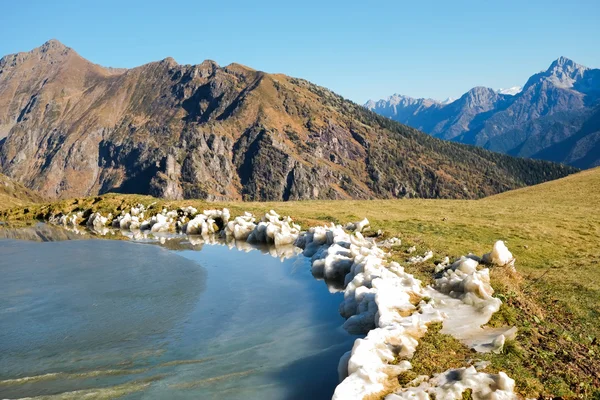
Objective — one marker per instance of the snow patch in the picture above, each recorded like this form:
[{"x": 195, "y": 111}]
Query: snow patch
[
  {"x": 499, "y": 256},
  {"x": 391, "y": 242},
  {"x": 273, "y": 229},
  {"x": 453, "y": 383},
  {"x": 464, "y": 295},
  {"x": 421, "y": 259},
  {"x": 359, "y": 226}
]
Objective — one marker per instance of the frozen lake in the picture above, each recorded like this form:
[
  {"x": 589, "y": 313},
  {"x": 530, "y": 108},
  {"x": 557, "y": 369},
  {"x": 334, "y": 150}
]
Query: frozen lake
[{"x": 139, "y": 321}]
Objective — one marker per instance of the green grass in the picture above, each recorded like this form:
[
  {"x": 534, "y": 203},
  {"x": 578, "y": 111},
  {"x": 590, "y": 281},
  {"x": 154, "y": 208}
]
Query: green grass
[{"x": 553, "y": 229}]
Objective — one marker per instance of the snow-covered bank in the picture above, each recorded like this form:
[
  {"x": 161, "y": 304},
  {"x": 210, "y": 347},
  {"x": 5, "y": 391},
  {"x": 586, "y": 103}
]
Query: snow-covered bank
[
  {"x": 463, "y": 293},
  {"x": 381, "y": 299},
  {"x": 453, "y": 383}
]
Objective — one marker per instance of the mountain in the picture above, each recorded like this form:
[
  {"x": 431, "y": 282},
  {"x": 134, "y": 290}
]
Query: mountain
[
  {"x": 554, "y": 108},
  {"x": 70, "y": 128},
  {"x": 585, "y": 141}
]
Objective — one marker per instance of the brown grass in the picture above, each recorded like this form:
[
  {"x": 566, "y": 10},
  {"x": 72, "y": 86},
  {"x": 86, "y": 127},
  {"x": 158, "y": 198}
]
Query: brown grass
[{"x": 13, "y": 194}]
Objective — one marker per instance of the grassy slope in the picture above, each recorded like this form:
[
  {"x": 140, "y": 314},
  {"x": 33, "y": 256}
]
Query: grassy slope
[
  {"x": 553, "y": 231},
  {"x": 13, "y": 194}
]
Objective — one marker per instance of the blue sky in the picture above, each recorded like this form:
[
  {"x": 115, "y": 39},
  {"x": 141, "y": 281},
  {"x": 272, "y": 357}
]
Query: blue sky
[{"x": 359, "y": 49}]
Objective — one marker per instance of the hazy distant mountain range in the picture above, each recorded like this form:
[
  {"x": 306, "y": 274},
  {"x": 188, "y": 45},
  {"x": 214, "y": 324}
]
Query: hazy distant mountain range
[
  {"x": 69, "y": 128},
  {"x": 555, "y": 116}
]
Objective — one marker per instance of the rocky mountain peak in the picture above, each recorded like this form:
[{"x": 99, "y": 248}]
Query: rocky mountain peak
[
  {"x": 169, "y": 62},
  {"x": 480, "y": 91},
  {"x": 52, "y": 45},
  {"x": 399, "y": 98},
  {"x": 370, "y": 104},
  {"x": 52, "y": 50},
  {"x": 564, "y": 72},
  {"x": 563, "y": 63},
  {"x": 407, "y": 100},
  {"x": 480, "y": 96},
  {"x": 399, "y": 101},
  {"x": 209, "y": 64}
]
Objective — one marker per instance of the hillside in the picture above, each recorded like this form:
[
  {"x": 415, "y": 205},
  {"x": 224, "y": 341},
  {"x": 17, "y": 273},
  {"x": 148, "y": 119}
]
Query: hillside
[
  {"x": 72, "y": 128},
  {"x": 586, "y": 141},
  {"x": 551, "y": 228},
  {"x": 13, "y": 194},
  {"x": 554, "y": 117}
]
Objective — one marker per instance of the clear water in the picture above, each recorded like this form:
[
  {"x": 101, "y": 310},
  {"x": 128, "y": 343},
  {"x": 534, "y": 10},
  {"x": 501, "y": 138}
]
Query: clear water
[{"x": 109, "y": 319}]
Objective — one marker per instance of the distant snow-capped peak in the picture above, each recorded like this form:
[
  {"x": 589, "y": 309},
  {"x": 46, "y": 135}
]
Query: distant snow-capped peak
[
  {"x": 448, "y": 100},
  {"x": 510, "y": 91},
  {"x": 399, "y": 100}
]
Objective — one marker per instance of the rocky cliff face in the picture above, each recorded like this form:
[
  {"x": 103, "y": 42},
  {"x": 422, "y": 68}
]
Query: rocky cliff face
[
  {"x": 553, "y": 106},
  {"x": 71, "y": 128}
]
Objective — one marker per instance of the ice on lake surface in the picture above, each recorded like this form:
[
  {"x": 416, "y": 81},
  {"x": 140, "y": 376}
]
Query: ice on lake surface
[{"x": 117, "y": 318}]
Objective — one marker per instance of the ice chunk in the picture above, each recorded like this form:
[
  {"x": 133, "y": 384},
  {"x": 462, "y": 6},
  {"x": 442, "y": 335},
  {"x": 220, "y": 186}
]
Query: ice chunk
[
  {"x": 454, "y": 382},
  {"x": 499, "y": 255},
  {"x": 138, "y": 210},
  {"x": 194, "y": 226},
  {"x": 421, "y": 259},
  {"x": 464, "y": 295},
  {"x": 161, "y": 223},
  {"x": 391, "y": 242},
  {"x": 272, "y": 229},
  {"x": 125, "y": 221},
  {"x": 219, "y": 217},
  {"x": 358, "y": 226},
  {"x": 189, "y": 210},
  {"x": 96, "y": 222},
  {"x": 241, "y": 227}
]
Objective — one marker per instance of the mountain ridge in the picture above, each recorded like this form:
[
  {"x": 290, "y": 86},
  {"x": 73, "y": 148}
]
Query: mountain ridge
[
  {"x": 552, "y": 106},
  {"x": 72, "y": 128}
]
